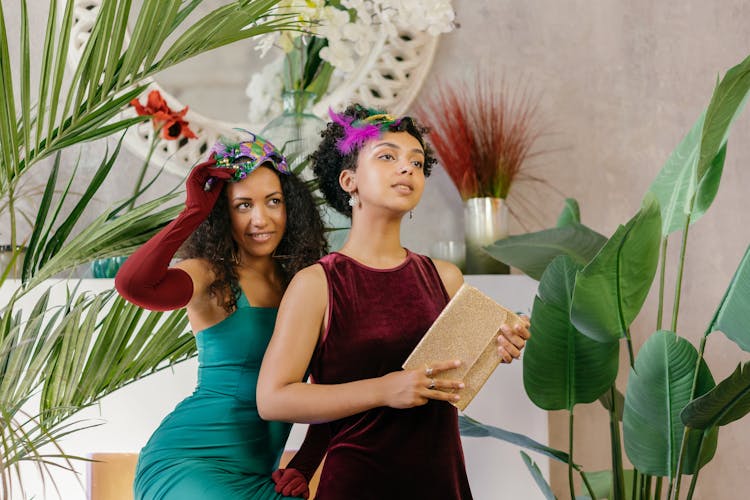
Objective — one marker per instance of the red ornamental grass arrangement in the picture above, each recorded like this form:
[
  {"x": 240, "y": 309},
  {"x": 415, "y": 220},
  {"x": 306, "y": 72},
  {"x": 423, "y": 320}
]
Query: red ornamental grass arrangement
[{"x": 482, "y": 133}]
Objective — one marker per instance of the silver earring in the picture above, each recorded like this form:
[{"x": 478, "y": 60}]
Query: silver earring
[
  {"x": 354, "y": 200},
  {"x": 411, "y": 214}
]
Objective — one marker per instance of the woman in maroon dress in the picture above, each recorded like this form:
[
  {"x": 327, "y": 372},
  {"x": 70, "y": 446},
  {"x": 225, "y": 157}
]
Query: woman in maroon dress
[{"x": 354, "y": 317}]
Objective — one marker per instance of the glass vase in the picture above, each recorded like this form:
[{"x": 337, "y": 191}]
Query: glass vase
[
  {"x": 107, "y": 267},
  {"x": 485, "y": 222},
  {"x": 297, "y": 133}
]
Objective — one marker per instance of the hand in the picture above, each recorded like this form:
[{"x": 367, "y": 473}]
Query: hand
[
  {"x": 409, "y": 388},
  {"x": 511, "y": 341},
  {"x": 205, "y": 175},
  {"x": 290, "y": 483}
]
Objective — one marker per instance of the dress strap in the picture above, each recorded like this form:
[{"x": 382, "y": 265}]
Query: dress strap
[{"x": 242, "y": 300}]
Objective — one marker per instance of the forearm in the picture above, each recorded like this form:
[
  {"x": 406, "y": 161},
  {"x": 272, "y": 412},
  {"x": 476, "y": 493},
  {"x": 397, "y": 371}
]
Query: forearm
[
  {"x": 315, "y": 403},
  {"x": 145, "y": 278}
]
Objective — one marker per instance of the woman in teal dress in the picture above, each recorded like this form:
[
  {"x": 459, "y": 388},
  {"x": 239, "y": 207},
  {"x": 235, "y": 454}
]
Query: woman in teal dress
[{"x": 247, "y": 227}]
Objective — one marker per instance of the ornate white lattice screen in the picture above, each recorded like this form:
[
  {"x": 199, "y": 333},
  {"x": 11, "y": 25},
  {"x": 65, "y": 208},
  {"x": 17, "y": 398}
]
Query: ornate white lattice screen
[{"x": 388, "y": 78}]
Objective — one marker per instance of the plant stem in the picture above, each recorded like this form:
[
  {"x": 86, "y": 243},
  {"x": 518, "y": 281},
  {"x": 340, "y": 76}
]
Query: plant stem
[
  {"x": 618, "y": 477},
  {"x": 142, "y": 174},
  {"x": 646, "y": 493},
  {"x": 680, "y": 270},
  {"x": 657, "y": 489},
  {"x": 586, "y": 483},
  {"x": 630, "y": 347},
  {"x": 662, "y": 273},
  {"x": 694, "y": 479},
  {"x": 584, "y": 479},
  {"x": 570, "y": 454}
]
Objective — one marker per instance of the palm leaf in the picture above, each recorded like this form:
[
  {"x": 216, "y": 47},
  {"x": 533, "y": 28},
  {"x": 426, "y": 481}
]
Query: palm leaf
[
  {"x": 659, "y": 387},
  {"x": 111, "y": 234},
  {"x": 610, "y": 291},
  {"x": 99, "y": 352}
]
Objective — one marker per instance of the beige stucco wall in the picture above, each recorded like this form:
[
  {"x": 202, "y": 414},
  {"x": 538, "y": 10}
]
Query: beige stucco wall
[{"x": 620, "y": 83}]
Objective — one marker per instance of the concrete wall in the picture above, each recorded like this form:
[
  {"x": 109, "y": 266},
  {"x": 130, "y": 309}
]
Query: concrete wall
[{"x": 620, "y": 84}]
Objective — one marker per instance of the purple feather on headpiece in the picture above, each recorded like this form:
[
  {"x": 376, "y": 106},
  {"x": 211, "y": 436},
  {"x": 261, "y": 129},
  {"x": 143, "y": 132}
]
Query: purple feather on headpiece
[
  {"x": 218, "y": 150},
  {"x": 353, "y": 136}
]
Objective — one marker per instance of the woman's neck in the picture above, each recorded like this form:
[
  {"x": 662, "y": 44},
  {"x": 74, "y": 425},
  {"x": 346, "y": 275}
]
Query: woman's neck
[{"x": 375, "y": 241}]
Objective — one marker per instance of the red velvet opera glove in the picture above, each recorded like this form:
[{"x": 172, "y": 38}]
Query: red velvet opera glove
[
  {"x": 293, "y": 481},
  {"x": 145, "y": 278}
]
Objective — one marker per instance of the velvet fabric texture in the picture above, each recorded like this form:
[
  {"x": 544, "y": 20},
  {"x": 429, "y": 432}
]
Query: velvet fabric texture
[{"x": 376, "y": 318}]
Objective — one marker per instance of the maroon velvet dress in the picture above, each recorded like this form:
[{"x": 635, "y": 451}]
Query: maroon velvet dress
[{"x": 376, "y": 318}]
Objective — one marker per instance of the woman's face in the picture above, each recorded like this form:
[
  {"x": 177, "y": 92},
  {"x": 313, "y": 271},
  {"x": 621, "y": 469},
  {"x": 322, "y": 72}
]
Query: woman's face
[
  {"x": 390, "y": 172},
  {"x": 257, "y": 212}
]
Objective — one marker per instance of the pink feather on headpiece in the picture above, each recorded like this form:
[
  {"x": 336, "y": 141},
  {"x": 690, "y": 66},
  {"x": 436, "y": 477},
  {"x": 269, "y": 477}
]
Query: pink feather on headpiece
[{"x": 353, "y": 135}]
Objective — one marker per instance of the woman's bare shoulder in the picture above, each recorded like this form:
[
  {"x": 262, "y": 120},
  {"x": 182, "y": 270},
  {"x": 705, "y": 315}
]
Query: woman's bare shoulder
[{"x": 450, "y": 274}]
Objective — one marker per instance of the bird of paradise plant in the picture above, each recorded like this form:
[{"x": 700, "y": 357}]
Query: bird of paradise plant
[{"x": 592, "y": 288}]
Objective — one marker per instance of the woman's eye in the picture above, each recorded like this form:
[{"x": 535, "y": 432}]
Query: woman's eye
[
  {"x": 417, "y": 164},
  {"x": 243, "y": 206},
  {"x": 275, "y": 201},
  {"x": 386, "y": 156}
]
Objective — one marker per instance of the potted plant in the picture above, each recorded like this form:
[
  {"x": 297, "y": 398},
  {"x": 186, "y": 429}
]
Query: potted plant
[
  {"x": 591, "y": 289},
  {"x": 484, "y": 135}
]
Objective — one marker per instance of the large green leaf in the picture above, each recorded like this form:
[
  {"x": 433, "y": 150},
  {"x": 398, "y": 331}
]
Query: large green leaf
[
  {"x": 473, "y": 428},
  {"x": 726, "y": 104},
  {"x": 734, "y": 310},
  {"x": 532, "y": 252},
  {"x": 725, "y": 403},
  {"x": 610, "y": 291},
  {"x": 694, "y": 168},
  {"x": 562, "y": 367},
  {"x": 601, "y": 484},
  {"x": 659, "y": 387},
  {"x": 674, "y": 185},
  {"x": 571, "y": 213}
]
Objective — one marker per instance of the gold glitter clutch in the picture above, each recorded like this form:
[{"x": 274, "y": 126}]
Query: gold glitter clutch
[{"x": 467, "y": 329}]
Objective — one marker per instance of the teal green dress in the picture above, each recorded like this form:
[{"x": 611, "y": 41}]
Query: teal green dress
[{"x": 214, "y": 445}]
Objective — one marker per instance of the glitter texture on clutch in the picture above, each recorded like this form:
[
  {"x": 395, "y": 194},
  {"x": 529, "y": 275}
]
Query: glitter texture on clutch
[{"x": 467, "y": 330}]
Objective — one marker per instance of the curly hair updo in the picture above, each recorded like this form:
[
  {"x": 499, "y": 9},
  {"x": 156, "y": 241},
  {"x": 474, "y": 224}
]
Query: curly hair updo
[{"x": 328, "y": 161}]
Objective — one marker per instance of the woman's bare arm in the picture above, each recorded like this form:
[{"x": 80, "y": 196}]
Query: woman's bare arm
[{"x": 282, "y": 394}]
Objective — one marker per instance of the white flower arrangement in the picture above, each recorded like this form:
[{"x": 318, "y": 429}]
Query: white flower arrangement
[{"x": 350, "y": 29}]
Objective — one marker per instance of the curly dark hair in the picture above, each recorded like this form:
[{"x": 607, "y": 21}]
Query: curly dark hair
[
  {"x": 302, "y": 245},
  {"x": 328, "y": 161}
]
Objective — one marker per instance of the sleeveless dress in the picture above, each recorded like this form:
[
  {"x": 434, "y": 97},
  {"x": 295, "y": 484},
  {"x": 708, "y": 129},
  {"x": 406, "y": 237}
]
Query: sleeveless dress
[
  {"x": 376, "y": 318},
  {"x": 214, "y": 444}
]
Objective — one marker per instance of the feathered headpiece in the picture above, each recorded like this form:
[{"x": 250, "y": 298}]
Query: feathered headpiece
[{"x": 357, "y": 132}]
